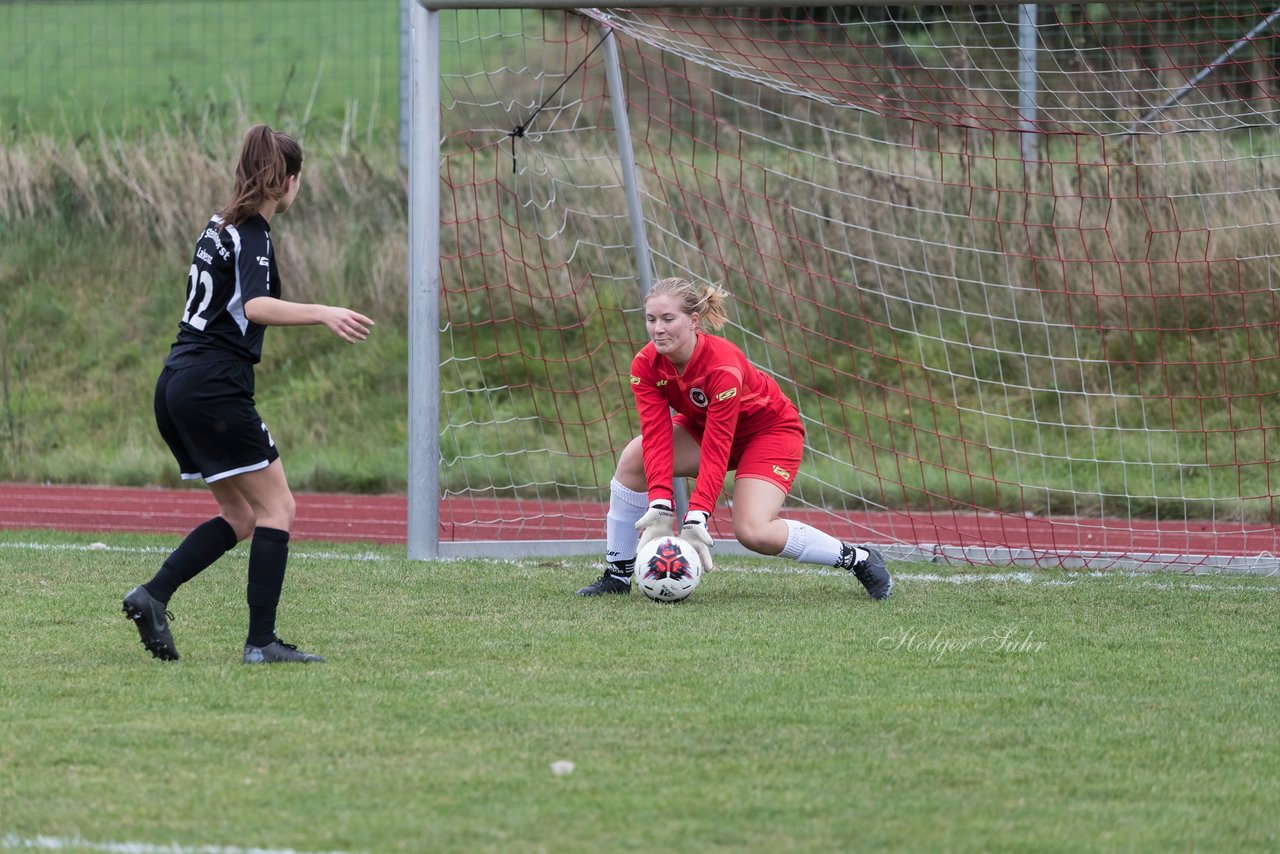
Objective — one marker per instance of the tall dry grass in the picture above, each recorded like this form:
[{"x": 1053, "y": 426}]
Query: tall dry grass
[
  {"x": 1089, "y": 333},
  {"x": 346, "y": 238},
  {"x": 98, "y": 232},
  {"x": 908, "y": 295}
]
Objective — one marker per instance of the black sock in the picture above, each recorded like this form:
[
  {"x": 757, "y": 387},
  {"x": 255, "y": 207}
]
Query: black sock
[
  {"x": 268, "y": 554},
  {"x": 204, "y": 545},
  {"x": 623, "y": 568}
]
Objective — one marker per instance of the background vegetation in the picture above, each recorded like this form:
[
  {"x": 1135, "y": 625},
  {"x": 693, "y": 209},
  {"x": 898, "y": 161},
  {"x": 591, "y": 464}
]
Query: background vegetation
[
  {"x": 99, "y": 209},
  {"x": 98, "y": 234}
]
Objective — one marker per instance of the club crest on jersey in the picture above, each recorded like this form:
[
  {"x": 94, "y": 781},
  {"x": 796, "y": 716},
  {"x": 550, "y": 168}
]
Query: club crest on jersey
[{"x": 699, "y": 397}]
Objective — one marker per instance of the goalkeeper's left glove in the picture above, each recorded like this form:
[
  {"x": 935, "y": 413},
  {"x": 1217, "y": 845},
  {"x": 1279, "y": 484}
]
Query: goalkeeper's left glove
[{"x": 694, "y": 532}]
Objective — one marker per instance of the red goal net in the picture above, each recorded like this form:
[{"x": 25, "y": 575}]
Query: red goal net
[{"x": 1019, "y": 275}]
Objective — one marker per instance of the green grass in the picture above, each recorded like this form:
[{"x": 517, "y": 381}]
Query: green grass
[
  {"x": 129, "y": 63},
  {"x": 115, "y": 62},
  {"x": 772, "y": 711}
]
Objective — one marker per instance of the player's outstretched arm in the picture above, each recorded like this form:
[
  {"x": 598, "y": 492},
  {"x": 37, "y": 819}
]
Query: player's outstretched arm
[{"x": 350, "y": 326}]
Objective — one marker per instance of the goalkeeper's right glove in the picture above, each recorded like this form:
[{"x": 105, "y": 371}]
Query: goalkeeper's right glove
[{"x": 657, "y": 522}]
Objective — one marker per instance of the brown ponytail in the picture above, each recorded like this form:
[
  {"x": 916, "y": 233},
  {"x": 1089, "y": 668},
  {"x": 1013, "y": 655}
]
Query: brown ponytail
[{"x": 268, "y": 158}]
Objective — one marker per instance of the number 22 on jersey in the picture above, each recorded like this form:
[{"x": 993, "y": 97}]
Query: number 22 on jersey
[{"x": 200, "y": 282}]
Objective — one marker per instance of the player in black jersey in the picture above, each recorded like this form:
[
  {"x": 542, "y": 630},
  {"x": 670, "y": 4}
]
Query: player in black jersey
[{"x": 204, "y": 399}]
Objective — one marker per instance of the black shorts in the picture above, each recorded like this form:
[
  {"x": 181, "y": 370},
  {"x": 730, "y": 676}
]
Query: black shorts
[{"x": 206, "y": 416}]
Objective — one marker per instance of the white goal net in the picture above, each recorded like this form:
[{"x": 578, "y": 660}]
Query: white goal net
[{"x": 1017, "y": 270}]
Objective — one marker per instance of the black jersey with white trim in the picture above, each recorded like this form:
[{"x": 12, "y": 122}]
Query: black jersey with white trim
[{"x": 231, "y": 265}]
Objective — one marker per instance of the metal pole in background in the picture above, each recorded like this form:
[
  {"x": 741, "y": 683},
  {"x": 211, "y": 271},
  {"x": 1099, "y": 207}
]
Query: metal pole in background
[
  {"x": 424, "y": 284},
  {"x": 631, "y": 187},
  {"x": 1204, "y": 72},
  {"x": 1028, "y": 81},
  {"x": 627, "y": 161}
]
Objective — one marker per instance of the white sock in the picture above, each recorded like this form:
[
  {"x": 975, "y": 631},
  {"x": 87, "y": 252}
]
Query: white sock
[
  {"x": 625, "y": 509},
  {"x": 806, "y": 544}
]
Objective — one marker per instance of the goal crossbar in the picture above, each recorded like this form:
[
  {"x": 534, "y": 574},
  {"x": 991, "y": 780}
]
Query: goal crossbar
[{"x": 443, "y": 5}]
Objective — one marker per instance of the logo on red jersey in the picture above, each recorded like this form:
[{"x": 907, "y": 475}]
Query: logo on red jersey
[
  {"x": 782, "y": 473},
  {"x": 727, "y": 395},
  {"x": 698, "y": 396}
]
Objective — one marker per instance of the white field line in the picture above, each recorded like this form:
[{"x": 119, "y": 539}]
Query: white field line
[
  {"x": 160, "y": 550},
  {"x": 1033, "y": 579},
  {"x": 62, "y": 843}
]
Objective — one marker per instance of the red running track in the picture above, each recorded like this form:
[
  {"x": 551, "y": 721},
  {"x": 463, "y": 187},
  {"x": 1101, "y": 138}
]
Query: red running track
[
  {"x": 360, "y": 518},
  {"x": 382, "y": 519}
]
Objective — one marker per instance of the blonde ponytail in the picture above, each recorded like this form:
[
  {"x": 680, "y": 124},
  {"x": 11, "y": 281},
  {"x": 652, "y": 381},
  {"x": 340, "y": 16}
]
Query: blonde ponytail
[{"x": 709, "y": 302}]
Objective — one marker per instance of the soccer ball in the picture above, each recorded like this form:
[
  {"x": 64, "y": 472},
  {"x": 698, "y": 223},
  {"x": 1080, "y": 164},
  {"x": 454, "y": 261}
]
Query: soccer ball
[{"x": 668, "y": 569}]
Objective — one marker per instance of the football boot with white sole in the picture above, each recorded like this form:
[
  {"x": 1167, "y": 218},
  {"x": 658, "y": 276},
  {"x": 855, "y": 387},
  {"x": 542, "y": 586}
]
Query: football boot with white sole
[
  {"x": 609, "y": 582},
  {"x": 869, "y": 570}
]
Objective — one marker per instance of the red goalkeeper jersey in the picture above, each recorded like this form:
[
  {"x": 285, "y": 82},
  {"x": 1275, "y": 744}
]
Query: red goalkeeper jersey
[{"x": 725, "y": 401}]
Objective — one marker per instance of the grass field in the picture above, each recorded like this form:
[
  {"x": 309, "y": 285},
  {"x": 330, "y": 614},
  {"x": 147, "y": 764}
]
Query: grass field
[
  {"x": 777, "y": 709},
  {"x": 130, "y": 64}
]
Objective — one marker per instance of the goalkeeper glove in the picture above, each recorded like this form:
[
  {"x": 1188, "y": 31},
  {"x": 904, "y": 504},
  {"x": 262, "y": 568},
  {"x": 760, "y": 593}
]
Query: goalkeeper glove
[
  {"x": 657, "y": 522},
  {"x": 694, "y": 532}
]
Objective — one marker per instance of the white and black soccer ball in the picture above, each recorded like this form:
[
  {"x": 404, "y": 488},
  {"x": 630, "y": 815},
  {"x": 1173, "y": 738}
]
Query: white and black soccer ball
[{"x": 668, "y": 569}]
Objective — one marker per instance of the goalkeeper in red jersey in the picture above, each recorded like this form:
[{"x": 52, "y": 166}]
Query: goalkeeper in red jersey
[{"x": 728, "y": 415}]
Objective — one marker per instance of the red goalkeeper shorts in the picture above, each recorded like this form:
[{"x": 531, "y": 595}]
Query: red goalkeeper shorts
[{"x": 773, "y": 456}]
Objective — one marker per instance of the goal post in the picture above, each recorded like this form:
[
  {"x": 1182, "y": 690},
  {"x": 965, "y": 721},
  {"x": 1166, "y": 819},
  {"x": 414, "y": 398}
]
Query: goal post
[
  {"x": 423, "y": 540},
  {"x": 1015, "y": 263}
]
